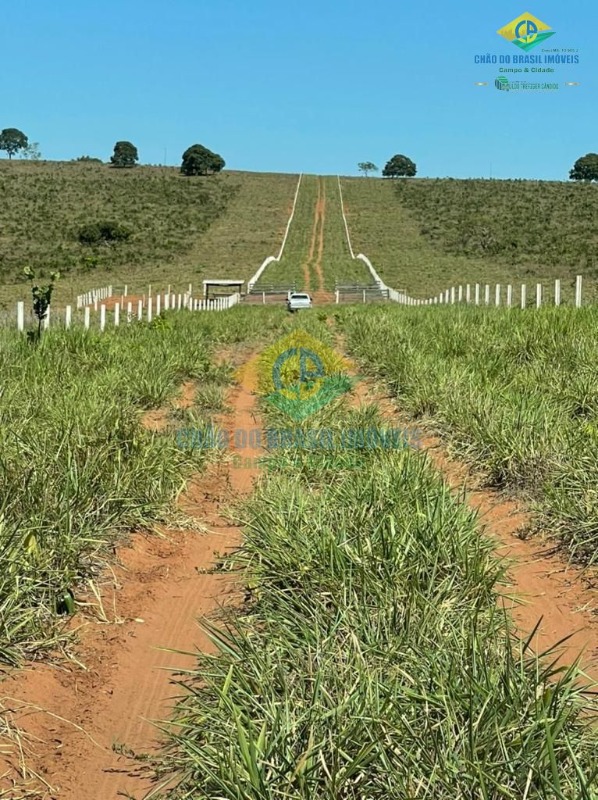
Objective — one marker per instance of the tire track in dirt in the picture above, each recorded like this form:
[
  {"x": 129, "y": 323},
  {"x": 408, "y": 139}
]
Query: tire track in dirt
[
  {"x": 542, "y": 588},
  {"x": 312, "y": 243},
  {"x": 74, "y": 713},
  {"x": 321, "y": 211}
]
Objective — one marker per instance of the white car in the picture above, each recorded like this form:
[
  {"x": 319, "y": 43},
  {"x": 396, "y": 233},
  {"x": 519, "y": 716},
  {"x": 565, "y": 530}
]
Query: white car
[{"x": 297, "y": 300}]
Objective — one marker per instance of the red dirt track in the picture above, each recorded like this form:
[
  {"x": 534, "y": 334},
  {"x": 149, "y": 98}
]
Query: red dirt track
[{"x": 73, "y": 713}]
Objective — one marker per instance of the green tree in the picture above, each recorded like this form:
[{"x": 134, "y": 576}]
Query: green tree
[
  {"x": 125, "y": 155},
  {"x": 198, "y": 160},
  {"x": 399, "y": 166},
  {"x": 585, "y": 168},
  {"x": 41, "y": 297},
  {"x": 367, "y": 167},
  {"x": 12, "y": 140}
]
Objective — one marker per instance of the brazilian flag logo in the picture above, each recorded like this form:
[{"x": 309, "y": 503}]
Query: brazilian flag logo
[
  {"x": 526, "y": 32},
  {"x": 300, "y": 375}
]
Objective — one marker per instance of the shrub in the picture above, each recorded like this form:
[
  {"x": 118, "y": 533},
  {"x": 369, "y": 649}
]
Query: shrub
[{"x": 103, "y": 233}]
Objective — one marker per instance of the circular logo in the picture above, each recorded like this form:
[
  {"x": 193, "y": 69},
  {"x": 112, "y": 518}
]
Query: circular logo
[
  {"x": 298, "y": 373},
  {"x": 527, "y": 31}
]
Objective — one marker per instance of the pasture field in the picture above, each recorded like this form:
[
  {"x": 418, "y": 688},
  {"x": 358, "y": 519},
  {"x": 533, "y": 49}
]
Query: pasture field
[
  {"x": 425, "y": 235},
  {"x": 316, "y": 255},
  {"x": 182, "y": 229},
  {"x": 515, "y": 392},
  {"x": 370, "y": 659},
  {"x": 78, "y": 466}
]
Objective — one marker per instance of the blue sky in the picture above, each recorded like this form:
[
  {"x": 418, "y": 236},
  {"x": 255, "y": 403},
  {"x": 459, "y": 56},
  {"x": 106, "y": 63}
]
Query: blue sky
[{"x": 295, "y": 86}]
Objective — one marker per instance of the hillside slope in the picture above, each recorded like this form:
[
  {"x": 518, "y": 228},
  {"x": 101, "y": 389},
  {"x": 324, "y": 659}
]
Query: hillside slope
[
  {"x": 316, "y": 255},
  {"x": 182, "y": 229},
  {"x": 426, "y": 235}
]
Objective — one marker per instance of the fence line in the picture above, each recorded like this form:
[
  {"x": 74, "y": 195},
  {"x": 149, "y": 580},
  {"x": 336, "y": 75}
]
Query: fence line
[
  {"x": 455, "y": 295},
  {"x": 94, "y": 295},
  {"x": 122, "y": 313},
  {"x": 458, "y": 294},
  {"x": 393, "y": 294},
  {"x": 270, "y": 259}
]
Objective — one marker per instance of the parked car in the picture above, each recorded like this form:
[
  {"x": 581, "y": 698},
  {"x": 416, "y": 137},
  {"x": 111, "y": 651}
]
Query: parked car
[{"x": 297, "y": 300}]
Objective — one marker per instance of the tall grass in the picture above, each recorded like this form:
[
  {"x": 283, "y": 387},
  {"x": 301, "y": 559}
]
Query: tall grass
[
  {"x": 77, "y": 466},
  {"x": 515, "y": 392},
  {"x": 371, "y": 660}
]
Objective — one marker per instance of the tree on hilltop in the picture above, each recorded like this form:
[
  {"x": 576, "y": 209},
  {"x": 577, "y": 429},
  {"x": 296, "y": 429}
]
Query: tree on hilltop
[
  {"x": 198, "y": 160},
  {"x": 399, "y": 166},
  {"x": 366, "y": 167},
  {"x": 125, "y": 155},
  {"x": 12, "y": 140},
  {"x": 585, "y": 168}
]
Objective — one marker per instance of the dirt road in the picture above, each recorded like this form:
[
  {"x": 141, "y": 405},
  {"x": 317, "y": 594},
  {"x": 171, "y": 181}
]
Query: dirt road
[{"x": 75, "y": 714}]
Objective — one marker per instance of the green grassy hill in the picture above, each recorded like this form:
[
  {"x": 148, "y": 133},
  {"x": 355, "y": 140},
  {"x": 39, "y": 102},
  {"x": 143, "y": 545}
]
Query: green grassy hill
[
  {"x": 426, "y": 235},
  {"x": 182, "y": 229}
]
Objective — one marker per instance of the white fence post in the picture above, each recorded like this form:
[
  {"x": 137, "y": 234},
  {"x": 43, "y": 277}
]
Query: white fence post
[
  {"x": 102, "y": 317},
  {"x": 337, "y": 293},
  {"x": 364, "y": 295},
  {"x": 21, "y": 316},
  {"x": 497, "y": 295},
  {"x": 477, "y": 294},
  {"x": 452, "y": 295},
  {"x": 578, "y": 284},
  {"x": 116, "y": 315},
  {"x": 557, "y": 292},
  {"x": 460, "y": 295},
  {"x": 487, "y": 294},
  {"x": 159, "y": 304},
  {"x": 86, "y": 316},
  {"x": 129, "y": 311},
  {"x": 538, "y": 295},
  {"x": 68, "y": 317},
  {"x": 47, "y": 318},
  {"x": 150, "y": 305},
  {"x": 179, "y": 302},
  {"x": 509, "y": 295},
  {"x": 468, "y": 294},
  {"x": 140, "y": 310}
]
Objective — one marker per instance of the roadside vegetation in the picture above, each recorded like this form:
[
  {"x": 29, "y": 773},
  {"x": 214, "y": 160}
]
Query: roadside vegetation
[
  {"x": 371, "y": 659},
  {"x": 515, "y": 393},
  {"x": 79, "y": 468}
]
